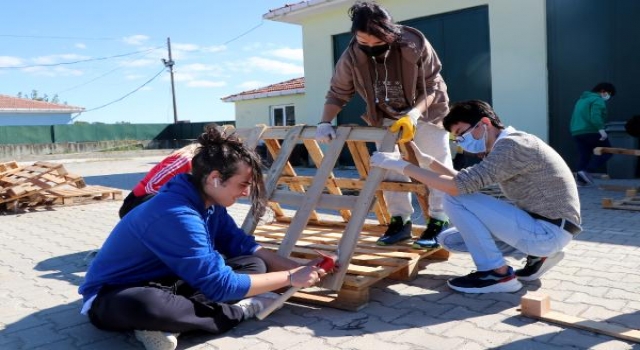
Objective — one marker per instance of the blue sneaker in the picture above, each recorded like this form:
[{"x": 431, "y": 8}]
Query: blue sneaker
[
  {"x": 396, "y": 232},
  {"x": 428, "y": 238},
  {"x": 486, "y": 282}
]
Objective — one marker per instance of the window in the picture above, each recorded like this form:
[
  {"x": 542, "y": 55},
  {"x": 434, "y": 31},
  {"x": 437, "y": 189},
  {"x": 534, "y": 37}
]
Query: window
[{"x": 283, "y": 115}]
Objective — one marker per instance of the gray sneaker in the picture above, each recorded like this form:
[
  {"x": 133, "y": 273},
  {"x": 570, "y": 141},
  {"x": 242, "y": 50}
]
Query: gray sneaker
[
  {"x": 157, "y": 340},
  {"x": 253, "y": 305}
]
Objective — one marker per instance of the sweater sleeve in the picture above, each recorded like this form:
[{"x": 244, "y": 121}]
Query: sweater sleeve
[
  {"x": 598, "y": 114},
  {"x": 341, "y": 88},
  {"x": 228, "y": 238},
  {"x": 501, "y": 164},
  {"x": 182, "y": 242}
]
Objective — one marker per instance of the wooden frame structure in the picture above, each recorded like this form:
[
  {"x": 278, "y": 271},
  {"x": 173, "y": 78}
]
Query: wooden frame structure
[{"x": 351, "y": 236}]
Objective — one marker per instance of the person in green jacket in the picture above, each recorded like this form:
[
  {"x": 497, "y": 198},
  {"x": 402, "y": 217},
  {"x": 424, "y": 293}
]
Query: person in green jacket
[{"x": 588, "y": 130}]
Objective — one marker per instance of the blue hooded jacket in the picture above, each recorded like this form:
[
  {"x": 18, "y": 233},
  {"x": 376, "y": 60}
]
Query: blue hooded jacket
[{"x": 173, "y": 234}]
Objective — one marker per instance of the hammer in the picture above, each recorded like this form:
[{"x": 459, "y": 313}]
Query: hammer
[{"x": 327, "y": 264}]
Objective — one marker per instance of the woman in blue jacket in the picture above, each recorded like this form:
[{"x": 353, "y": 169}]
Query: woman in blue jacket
[{"x": 179, "y": 262}]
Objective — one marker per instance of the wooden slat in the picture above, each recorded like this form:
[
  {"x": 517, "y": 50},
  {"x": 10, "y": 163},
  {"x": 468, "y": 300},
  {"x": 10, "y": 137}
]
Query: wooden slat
[
  {"x": 301, "y": 217},
  {"x": 275, "y": 171},
  {"x": 365, "y": 201},
  {"x": 326, "y": 201},
  {"x": 316, "y": 156}
]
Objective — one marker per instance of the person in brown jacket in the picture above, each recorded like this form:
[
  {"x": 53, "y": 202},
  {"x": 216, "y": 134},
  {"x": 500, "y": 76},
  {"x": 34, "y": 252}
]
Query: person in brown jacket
[{"x": 397, "y": 73}]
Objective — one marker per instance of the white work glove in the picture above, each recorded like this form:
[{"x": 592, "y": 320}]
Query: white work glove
[
  {"x": 424, "y": 160},
  {"x": 603, "y": 134},
  {"x": 414, "y": 114},
  {"x": 325, "y": 132},
  {"x": 389, "y": 160}
]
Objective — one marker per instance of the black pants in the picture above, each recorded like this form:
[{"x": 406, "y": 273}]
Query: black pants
[
  {"x": 168, "y": 305},
  {"x": 131, "y": 201}
]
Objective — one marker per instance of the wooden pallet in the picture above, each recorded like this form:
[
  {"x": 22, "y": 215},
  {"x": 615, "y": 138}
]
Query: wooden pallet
[
  {"x": 369, "y": 264},
  {"x": 351, "y": 200},
  {"x": 630, "y": 202},
  {"x": 69, "y": 195},
  {"x": 19, "y": 182}
]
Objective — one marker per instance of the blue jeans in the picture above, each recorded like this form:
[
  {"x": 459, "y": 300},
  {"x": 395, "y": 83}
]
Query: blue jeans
[
  {"x": 489, "y": 229},
  {"x": 587, "y": 161}
]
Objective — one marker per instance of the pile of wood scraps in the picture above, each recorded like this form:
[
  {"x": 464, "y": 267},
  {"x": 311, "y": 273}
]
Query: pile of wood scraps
[{"x": 44, "y": 184}]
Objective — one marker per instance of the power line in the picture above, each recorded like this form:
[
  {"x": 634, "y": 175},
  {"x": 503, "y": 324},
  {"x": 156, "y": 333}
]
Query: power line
[
  {"x": 125, "y": 96},
  {"x": 245, "y": 33},
  {"x": 80, "y": 61},
  {"x": 120, "y": 66}
]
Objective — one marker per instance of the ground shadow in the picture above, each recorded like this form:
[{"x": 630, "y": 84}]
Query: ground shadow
[
  {"x": 66, "y": 267},
  {"x": 124, "y": 181}
]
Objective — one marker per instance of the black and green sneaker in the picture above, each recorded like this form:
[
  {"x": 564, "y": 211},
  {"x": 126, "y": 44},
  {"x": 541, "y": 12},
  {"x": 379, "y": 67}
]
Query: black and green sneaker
[
  {"x": 428, "y": 238},
  {"x": 396, "y": 232}
]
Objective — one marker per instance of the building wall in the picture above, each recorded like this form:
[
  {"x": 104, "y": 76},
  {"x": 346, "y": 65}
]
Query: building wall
[
  {"x": 7, "y": 119},
  {"x": 249, "y": 113},
  {"x": 518, "y": 55}
]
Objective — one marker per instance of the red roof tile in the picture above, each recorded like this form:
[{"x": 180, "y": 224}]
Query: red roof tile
[
  {"x": 289, "y": 85},
  {"x": 14, "y": 103}
]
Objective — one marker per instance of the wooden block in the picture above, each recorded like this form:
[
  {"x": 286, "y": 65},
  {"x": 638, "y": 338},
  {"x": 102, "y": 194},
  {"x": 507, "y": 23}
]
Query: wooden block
[{"x": 535, "y": 304}]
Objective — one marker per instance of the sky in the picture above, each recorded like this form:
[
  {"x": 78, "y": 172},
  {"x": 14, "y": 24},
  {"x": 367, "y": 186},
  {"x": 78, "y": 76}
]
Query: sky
[{"x": 106, "y": 56}]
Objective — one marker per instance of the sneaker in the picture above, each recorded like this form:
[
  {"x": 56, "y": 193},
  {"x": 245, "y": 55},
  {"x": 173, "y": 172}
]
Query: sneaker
[
  {"x": 157, "y": 340},
  {"x": 585, "y": 176},
  {"x": 428, "y": 238},
  {"x": 253, "y": 305},
  {"x": 396, "y": 232},
  {"x": 486, "y": 282},
  {"x": 537, "y": 266}
]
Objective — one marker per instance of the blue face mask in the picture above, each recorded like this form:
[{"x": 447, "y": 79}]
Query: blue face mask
[{"x": 470, "y": 144}]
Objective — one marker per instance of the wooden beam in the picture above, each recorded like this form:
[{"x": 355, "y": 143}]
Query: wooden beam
[
  {"x": 538, "y": 306},
  {"x": 326, "y": 201},
  {"x": 613, "y": 150},
  {"x": 290, "y": 141},
  {"x": 301, "y": 217},
  {"x": 349, "y": 239},
  {"x": 357, "y": 184}
]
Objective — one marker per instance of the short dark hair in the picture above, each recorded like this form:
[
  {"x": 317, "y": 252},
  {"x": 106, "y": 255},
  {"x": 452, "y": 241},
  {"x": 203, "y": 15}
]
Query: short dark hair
[
  {"x": 373, "y": 19},
  {"x": 608, "y": 87},
  {"x": 222, "y": 153},
  {"x": 632, "y": 126},
  {"x": 471, "y": 112}
]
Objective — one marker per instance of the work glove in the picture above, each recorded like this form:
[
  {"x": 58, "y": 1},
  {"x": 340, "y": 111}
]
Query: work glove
[
  {"x": 406, "y": 125},
  {"x": 389, "y": 161},
  {"x": 424, "y": 160},
  {"x": 603, "y": 134},
  {"x": 325, "y": 132}
]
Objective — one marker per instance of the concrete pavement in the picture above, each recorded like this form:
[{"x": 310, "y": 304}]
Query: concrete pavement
[{"x": 42, "y": 262}]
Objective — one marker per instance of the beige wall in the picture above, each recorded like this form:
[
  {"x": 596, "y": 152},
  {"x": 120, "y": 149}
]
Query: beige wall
[
  {"x": 518, "y": 55},
  {"x": 249, "y": 113}
]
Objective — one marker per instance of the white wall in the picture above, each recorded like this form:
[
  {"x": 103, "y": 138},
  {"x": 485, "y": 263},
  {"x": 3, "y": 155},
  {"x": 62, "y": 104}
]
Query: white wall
[
  {"x": 34, "y": 119},
  {"x": 249, "y": 113},
  {"x": 518, "y": 55}
]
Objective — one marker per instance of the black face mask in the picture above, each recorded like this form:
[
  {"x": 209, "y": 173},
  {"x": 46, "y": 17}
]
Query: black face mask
[{"x": 374, "y": 50}]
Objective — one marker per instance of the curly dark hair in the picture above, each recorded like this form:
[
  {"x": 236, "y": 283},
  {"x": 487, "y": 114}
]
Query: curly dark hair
[
  {"x": 373, "y": 19},
  {"x": 222, "y": 153}
]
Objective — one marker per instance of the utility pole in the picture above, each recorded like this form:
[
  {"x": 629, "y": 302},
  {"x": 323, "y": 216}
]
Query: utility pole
[{"x": 169, "y": 63}]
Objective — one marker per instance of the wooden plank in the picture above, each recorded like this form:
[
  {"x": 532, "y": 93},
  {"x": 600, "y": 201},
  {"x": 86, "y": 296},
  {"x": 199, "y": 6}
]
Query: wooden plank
[
  {"x": 316, "y": 156},
  {"x": 302, "y": 215},
  {"x": 326, "y": 201},
  {"x": 538, "y": 306},
  {"x": 423, "y": 200},
  {"x": 273, "y": 146},
  {"x": 358, "y": 184},
  {"x": 275, "y": 171},
  {"x": 365, "y": 201},
  {"x": 613, "y": 150}
]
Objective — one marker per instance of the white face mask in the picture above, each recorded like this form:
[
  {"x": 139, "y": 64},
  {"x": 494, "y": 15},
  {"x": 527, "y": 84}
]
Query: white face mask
[
  {"x": 471, "y": 145},
  {"x": 606, "y": 96}
]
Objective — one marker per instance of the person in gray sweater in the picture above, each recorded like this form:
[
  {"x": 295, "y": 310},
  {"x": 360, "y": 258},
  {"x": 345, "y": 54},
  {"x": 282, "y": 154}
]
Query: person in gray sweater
[{"x": 541, "y": 216}]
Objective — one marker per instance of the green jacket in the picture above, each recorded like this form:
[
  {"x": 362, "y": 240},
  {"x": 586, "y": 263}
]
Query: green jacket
[{"x": 589, "y": 114}]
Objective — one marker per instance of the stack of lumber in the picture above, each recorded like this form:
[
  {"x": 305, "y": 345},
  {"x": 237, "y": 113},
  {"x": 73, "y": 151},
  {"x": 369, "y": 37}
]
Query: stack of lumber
[{"x": 46, "y": 184}]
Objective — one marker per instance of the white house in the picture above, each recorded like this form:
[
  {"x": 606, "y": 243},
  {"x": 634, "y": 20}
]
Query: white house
[
  {"x": 22, "y": 111},
  {"x": 273, "y": 105},
  {"x": 531, "y": 59}
]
